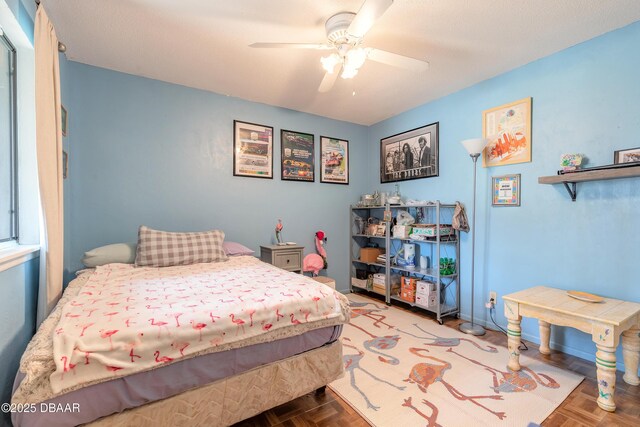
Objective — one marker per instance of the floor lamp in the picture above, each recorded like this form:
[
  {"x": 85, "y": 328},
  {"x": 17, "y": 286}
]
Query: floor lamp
[{"x": 474, "y": 147}]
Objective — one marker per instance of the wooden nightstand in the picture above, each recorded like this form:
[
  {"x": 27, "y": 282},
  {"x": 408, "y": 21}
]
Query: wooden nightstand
[{"x": 287, "y": 257}]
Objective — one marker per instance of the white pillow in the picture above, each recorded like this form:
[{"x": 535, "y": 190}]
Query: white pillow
[{"x": 118, "y": 252}]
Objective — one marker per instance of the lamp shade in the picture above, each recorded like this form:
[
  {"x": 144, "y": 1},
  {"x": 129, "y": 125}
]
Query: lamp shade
[{"x": 474, "y": 145}]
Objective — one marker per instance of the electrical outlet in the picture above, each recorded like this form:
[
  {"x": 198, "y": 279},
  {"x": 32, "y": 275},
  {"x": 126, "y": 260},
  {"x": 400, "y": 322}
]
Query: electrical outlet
[{"x": 493, "y": 296}]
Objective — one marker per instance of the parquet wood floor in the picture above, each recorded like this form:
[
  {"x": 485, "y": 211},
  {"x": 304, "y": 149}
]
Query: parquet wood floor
[{"x": 579, "y": 409}]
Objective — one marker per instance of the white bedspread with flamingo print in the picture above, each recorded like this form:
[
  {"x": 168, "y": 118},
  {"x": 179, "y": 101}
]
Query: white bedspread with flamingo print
[{"x": 127, "y": 319}]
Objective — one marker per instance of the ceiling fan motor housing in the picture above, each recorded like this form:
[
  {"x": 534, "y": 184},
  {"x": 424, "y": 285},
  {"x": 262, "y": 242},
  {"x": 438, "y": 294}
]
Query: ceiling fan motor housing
[{"x": 337, "y": 27}]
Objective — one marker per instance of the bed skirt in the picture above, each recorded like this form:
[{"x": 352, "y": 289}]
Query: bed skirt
[{"x": 239, "y": 397}]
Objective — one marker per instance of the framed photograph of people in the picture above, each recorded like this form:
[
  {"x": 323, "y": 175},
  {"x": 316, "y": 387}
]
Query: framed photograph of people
[
  {"x": 410, "y": 155},
  {"x": 506, "y": 190},
  {"x": 297, "y": 156},
  {"x": 334, "y": 160},
  {"x": 252, "y": 150}
]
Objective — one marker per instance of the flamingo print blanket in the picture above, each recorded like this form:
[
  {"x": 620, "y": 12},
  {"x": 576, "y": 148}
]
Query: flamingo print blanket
[{"x": 127, "y": 319}]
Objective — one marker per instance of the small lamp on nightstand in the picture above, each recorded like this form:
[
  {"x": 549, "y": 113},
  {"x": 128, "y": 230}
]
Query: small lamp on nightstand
[{"x": 474, "y": 147}]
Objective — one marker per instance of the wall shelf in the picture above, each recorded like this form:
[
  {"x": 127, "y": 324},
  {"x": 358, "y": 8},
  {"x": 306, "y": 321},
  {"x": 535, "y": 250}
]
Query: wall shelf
[{"x": 570, "y": 180}]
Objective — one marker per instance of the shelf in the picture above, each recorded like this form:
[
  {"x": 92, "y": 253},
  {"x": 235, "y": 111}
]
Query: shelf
[
  {"x": 571, "y": 179},
  {"x": 442, "y": 240},
  {"x": 445, "y": 309},
  {"x": 427, "y": 205},
  {"x": 368, "y": 263},
  {"x": 430, "y": 272}
]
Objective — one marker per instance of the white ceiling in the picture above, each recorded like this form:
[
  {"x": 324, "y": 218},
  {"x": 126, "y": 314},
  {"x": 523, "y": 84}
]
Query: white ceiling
[{"x": 204, "y": 44}]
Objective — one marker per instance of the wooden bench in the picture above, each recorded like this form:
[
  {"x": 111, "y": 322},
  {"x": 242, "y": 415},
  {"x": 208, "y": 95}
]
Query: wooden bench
[{"x": 605, "y": 321}]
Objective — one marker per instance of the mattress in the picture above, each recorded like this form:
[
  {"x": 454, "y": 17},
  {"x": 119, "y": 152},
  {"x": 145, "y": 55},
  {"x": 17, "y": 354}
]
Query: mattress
[{"x": 106, "y": 398}]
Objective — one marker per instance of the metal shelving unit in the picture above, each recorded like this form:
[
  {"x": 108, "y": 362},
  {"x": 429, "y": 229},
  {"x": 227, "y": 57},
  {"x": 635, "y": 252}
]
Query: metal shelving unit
[{"x": 448, "y": 289}]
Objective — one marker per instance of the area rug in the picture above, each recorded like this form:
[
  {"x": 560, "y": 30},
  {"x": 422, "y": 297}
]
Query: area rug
[{"x": 407, "y": 370}]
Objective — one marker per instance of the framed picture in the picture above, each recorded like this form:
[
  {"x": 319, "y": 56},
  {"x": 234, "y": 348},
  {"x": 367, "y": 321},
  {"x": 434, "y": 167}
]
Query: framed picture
[
  {"x": 297, "y": 159},
  {"x": 630, "y": 155},
  {"x": 410, "y": 155},
  {"x": 252, "y": 150},
  {"x": 63, "y": 119},
  {"x": 334, "y": 160},
  {"x": 508, "y": 129},
  {"x": 506, "y": 190}
]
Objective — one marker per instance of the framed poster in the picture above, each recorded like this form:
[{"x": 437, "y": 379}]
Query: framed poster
[
  {"x": 297, "y": 159},
  {"x": 506, "y": 190},
  {"x": 410, "y": 155},
  {"x": 630, "y": 155},
  {"x": 508, "y": 129},
  {"x": 252, "y": 150},
  {"x": 334, "y": 160}
]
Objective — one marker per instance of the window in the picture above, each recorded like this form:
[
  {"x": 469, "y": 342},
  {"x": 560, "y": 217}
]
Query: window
[{"x": 8, "y": 157}]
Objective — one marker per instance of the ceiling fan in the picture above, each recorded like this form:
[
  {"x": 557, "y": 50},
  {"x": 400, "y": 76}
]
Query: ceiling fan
[{"x": 345, "y": 33}]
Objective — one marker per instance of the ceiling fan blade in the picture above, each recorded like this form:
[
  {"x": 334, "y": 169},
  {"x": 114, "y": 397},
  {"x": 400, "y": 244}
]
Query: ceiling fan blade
[
  {"x": 328, "y": 81},
  {"x": 396, "y": 60},
  {"x": 368, "y": 14},
  {"x": 317, "y": 46}
]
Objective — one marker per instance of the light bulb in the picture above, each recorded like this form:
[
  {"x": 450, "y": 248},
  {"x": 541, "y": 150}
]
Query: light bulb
[
  {"x": 348, "y": 72},
  {"x": 356, "y": 57},
  {"x": 329, "y": 62}
]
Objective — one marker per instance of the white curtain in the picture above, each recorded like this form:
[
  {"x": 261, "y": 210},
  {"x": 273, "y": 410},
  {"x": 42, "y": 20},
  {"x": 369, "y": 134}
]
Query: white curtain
[{"x": 49, "y": 148}]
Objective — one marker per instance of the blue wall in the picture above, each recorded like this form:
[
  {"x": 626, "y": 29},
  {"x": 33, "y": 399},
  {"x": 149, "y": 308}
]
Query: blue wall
[
  {"x": 146, "y": 152},
  {"x": 585, "y": 100},
  {"x": 18, "y": 296}
]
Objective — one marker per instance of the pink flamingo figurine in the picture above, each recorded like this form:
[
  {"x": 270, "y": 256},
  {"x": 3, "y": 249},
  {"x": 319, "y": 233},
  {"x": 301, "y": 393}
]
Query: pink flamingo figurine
[
  {"x": 279, "y": 228},
  {"x": 313, "y": 263}
]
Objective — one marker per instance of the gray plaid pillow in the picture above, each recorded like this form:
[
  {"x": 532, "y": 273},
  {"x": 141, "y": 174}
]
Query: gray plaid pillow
[{"x": 165, "y": 249}]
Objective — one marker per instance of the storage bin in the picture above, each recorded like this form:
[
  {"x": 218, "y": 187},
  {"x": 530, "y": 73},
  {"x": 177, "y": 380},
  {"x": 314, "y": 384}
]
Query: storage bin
[
  {"x": 421, "y": 231},
  {"x": 370, "y": 254}
]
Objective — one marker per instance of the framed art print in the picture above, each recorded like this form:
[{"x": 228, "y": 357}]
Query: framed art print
[
  {"x": 630, "y": 155},
  {"x": 252, "y": 150},
  {"x": 334, "y": 160},
  {"x": 297, "y": 159},
  {"x": 410, "y": 155},
  {"x": 506, "y": 190},
  {"x": 508, "y": 129}
]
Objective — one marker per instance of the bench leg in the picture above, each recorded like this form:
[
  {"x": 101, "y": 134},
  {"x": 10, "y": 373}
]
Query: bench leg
[
  {"x": 631, "y": 354},
  {"x": 606, "y": 372},
  {"x": 545, "y": 332},
  {"x": 513, "y": 333}
]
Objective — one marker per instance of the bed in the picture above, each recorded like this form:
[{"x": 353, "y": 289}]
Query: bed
[{"x": 205, "y": 344}]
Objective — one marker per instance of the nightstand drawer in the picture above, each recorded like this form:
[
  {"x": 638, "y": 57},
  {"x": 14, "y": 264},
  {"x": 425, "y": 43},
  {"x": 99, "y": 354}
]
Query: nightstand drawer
[{"x": 287, "y": 260}]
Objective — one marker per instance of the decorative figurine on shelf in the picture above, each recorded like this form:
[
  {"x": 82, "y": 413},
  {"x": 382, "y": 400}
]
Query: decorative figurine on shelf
[
  {"x": 279, "y": 228},
  {"x": 313, "y": 263}
]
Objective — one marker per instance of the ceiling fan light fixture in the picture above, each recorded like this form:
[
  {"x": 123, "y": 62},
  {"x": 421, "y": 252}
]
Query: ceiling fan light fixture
[
  {"x": 348, "y": 72},
  {"x": 329, "y": 62}
]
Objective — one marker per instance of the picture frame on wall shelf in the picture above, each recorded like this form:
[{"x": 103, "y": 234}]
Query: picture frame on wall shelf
[
  {"x": 506, "y": 190},
  {"x": 629, "y": 155},
  {"x": 252, "y": 150},
  {"x": 508, "y": 129},
  {"x": 334, "y": 160},
  {"x": 413, "y": 154},
  {"x": 64, "y": 120},
  {"x": 297, "y": 160}
]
